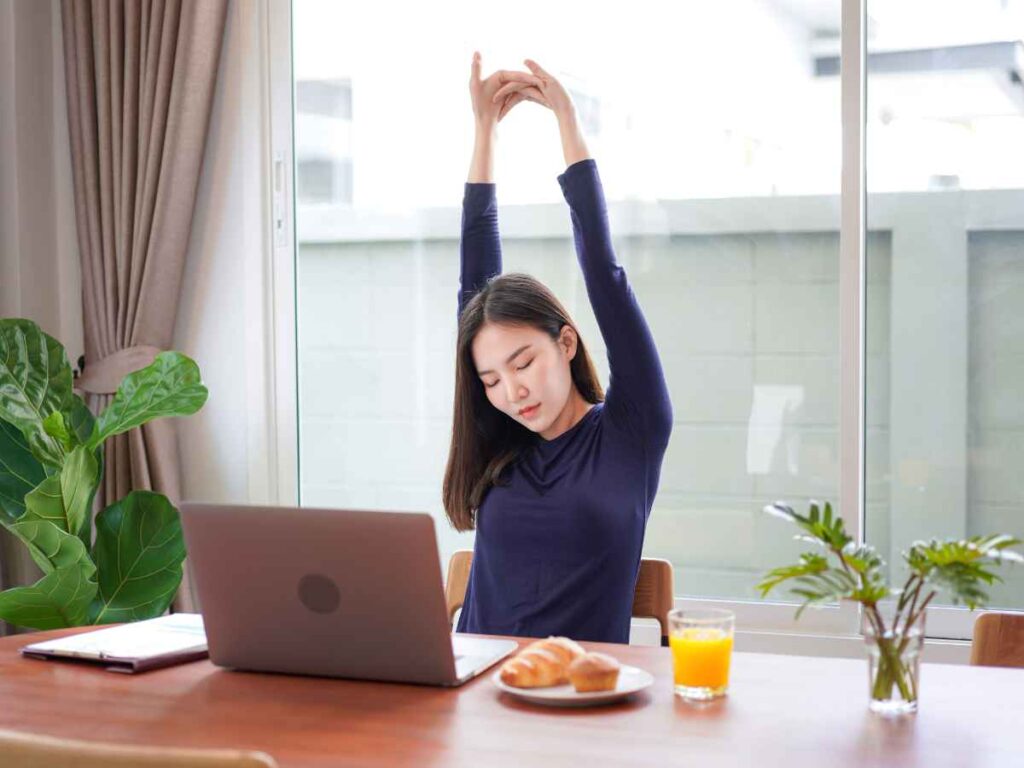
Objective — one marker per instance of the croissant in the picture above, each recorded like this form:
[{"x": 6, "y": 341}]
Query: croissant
[
  {"x": 567, "y": 650},
  {"x": 542, "y": 663}
]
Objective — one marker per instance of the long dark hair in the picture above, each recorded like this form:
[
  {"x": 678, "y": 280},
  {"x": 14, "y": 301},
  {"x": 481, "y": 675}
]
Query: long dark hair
[{"x": 485, "y": 440}]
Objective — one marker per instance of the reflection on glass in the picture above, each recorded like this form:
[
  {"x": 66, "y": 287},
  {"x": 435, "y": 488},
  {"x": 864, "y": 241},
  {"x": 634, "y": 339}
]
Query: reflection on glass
[{"x": 773, "y": 444}]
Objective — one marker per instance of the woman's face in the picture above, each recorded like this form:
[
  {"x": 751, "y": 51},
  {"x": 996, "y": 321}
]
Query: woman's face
[{"x": 525, "y": 372}]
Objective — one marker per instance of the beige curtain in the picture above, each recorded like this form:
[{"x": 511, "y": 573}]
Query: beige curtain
[{"x": 140, "y": 81}]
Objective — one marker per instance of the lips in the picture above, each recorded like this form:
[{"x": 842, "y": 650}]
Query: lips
[{"x": 528, "y": 412}]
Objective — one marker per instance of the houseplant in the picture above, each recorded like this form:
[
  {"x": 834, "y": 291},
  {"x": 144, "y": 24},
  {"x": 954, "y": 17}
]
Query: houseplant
[
  {"x": 893, "y": 629},
  {"x": 51, "y": 463}
]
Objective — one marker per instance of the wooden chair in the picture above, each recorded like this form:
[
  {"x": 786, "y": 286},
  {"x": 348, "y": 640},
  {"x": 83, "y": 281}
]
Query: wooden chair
[
  {"x": 652, "y": 598},
  {"x": 998, "y": 640},
  {"x": 29, "y": 750}
]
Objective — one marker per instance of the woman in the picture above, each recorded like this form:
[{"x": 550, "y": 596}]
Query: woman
[{"x": 557, "y": 479}]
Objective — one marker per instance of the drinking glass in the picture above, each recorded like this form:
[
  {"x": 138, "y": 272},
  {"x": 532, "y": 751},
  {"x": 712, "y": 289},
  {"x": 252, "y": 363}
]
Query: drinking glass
[{"x": 701, "y": 643}]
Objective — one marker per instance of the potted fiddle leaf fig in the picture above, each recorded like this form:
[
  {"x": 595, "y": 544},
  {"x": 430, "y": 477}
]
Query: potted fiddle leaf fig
[
  {"x": 51, "y": 463},
  {"x": 893, "y": 619}
]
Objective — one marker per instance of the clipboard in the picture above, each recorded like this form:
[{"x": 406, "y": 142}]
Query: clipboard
[{"x": 131, "y": 648}]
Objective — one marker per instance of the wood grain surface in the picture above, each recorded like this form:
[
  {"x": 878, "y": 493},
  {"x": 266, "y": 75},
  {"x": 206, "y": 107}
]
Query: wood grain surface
[{"x": 781, "y": 710}]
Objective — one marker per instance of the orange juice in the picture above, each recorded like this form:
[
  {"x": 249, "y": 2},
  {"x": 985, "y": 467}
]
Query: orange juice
[{"x": 700, "y": 657}]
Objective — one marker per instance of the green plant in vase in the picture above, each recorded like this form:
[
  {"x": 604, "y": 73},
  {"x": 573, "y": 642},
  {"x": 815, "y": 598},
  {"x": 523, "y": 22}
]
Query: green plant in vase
[
  {"x": 51, "y": 463},
  {"x": 893, "y": 619}
]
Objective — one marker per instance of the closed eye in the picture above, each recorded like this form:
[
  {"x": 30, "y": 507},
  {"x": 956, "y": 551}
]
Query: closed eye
[{"x": 495, "y": 382}]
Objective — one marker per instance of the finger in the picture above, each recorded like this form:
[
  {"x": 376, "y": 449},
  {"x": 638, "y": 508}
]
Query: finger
[
  {"x": 536, "y": 68},
  {"x": 508, "y": 88},
  {"x": 510, "y": 102},
  {"x": 475, "y": 68},
  {"x": 511, "y": 75},
  {"x": 533, "y": 94}
]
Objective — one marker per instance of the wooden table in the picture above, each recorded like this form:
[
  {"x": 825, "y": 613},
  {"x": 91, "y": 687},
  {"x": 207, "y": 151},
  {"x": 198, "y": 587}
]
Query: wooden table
[{"x": 782, "y": 710}]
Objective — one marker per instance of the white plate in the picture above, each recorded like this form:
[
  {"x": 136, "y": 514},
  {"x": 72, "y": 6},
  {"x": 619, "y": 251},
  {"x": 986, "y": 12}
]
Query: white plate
[{"x": 631, "y": 680}]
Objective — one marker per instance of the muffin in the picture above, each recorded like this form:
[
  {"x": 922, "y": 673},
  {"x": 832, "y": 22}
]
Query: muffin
[{"x": 594, "y": 672}]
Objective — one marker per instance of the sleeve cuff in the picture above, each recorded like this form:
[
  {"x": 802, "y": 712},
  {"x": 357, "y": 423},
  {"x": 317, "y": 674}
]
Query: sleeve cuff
[
  {"x": 478, "y": 196},
  {"x": 581, "y": 169}
]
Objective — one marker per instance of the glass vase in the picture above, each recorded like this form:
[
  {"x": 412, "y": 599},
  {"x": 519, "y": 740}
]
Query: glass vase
[{"x": 894, "y": 660}]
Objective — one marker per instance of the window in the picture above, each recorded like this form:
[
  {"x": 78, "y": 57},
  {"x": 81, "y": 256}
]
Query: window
[
  {"x": 721, "y": 146},
  {"x": 323, "y": 142},
  {"x": 945, "y": 312},
  {"x": 723, "y": 175}
]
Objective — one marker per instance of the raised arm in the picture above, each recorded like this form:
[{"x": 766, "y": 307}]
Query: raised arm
[
  {"x": 480, "y": 248},
  {"x": 637, "y": 399}
]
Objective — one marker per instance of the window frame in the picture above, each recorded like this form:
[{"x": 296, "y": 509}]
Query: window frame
[{"x": 765, "y": 625}]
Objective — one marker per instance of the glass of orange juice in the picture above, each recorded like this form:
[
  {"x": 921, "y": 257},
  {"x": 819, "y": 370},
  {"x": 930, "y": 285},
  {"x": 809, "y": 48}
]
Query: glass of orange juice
[{"x": 701, "y": 642}]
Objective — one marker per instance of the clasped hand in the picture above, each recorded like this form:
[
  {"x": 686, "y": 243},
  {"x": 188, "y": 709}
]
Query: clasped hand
[{"x": 494, "y": 96}]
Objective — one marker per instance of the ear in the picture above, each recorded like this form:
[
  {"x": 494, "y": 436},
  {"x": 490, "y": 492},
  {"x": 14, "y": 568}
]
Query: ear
[{"x": 568, "y": 341}]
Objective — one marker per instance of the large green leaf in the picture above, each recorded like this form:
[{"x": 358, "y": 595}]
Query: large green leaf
[
  {"x": 78, "y": 482},
  {"x": 54, "y": 426},
  {"x": 169, "y": 386},
  {"x": 60, "y": 599},
  {"x": 66, "y": 499},
  {"x": 79, "y": 420},
  {"x": 51, "y": 548},
  {"x": 20, "y": 472},
  {"x": 35, "y": 381},
  {"x": 138, "y": 552}
]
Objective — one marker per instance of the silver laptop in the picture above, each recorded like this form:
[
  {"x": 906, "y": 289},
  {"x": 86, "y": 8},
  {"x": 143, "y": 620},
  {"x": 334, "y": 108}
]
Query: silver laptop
[{"x": 337, "y": 593}]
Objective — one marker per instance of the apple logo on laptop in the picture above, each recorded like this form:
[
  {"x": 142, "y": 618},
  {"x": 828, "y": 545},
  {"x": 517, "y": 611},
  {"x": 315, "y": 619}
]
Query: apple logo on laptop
[{"x": 319, "y": 593}]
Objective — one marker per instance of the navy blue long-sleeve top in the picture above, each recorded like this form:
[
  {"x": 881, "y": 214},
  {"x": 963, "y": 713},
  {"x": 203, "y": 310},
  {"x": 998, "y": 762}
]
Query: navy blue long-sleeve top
[{"x": 558, "y": 547}]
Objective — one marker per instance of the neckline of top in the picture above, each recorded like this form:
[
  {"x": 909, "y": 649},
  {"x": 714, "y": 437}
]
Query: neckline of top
[{"x": 571, "y": 430}]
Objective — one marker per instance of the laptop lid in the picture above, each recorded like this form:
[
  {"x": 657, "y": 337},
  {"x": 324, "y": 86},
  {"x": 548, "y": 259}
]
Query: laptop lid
[{"x": 340, "y": 593}]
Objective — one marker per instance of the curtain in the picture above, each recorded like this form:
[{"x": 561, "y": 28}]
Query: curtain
[{"x": 140, "y": 82}]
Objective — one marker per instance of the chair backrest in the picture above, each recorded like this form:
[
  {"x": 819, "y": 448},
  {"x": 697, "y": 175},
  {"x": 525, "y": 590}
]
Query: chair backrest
[
  {"x": 998, "y": 640},
  {"x": 455, "y": 583},
  {"x": 29, "y": 750},
  {"x": 652, "y": 598}
]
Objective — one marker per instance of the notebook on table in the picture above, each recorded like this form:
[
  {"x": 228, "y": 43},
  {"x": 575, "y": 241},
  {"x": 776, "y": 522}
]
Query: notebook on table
[{"x": 131, "y": 648}]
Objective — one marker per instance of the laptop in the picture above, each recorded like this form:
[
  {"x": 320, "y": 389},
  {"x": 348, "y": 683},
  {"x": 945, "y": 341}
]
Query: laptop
[{"x": 328, "y": 592}]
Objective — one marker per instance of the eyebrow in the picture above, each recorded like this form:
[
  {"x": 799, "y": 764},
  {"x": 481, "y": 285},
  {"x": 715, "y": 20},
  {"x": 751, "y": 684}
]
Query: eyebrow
[{"x": 508, "y": 360}]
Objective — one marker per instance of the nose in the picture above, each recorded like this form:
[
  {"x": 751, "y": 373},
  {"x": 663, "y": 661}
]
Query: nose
[{"x": 514, "y": 391}]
